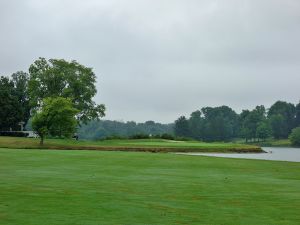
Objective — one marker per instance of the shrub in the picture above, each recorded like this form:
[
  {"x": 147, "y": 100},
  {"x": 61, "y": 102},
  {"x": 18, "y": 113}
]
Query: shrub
[
  {"x": 295, "y": 137},
  {"x": 167, "y": 136},
  {"x": 139, "y": 136},
  {"x": 184, "y": 139},
  {"x": 114, "y": 137}
]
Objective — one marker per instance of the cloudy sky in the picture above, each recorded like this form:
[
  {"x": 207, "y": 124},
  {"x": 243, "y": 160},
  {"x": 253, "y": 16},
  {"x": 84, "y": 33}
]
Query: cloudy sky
[{"x": 159, "y": 59}]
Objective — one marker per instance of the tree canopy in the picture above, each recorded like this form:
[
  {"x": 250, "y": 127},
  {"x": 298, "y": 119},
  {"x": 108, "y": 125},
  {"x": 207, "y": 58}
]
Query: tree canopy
[
  {"x": 209, "y": 124},
  {"x": 14, "y": 101},
  {"x": 295, "y": 136},
  {"x": 181, "y": 128},
  {"x": 56, "y": 117},
  {"x": 297, "y": 120},
  {"x": 60, "y": 78},
  {"x": 282, "y": 117},
  {"x": 251, "y": 121},
  {"x": 57, "y": 94},
  {"x": 20, "y": 80},
  {"x": 220, "y": 123},
  {"x": 224, "y": 124}
]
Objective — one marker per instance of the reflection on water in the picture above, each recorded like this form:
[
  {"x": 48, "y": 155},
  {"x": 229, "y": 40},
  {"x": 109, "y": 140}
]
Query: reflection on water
[{"x": 281, "y": 154}]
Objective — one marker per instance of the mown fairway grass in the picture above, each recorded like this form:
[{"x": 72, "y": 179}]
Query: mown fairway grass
[
  {"x": 102, "y": 187},
  {"x": 151, "y": 145}
]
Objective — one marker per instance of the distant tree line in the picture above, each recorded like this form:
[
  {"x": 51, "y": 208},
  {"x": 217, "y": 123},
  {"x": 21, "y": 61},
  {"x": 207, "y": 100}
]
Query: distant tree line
[
  {"x": 224, "y": 124},
  {"x": 58, "y": 94},
  {"x": 115, "y": 129}
]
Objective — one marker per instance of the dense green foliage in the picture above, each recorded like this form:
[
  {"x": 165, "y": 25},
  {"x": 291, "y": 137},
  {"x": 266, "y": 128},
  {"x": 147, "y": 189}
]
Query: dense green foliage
[
  {"x": 181, "y": 127},
  {"x": 76, "y": 187},
  {"x": 14, "y": 101},
  {"x": 297, "y": 123},
  {"x": 209, "y": 124},
  {"x": 9, "y": 110},
  {"x": 59, "y": 78},
  {"x": 295, "y": 137},
  {"x": 223, "y": 124},
  {"x": 95, "y": 130},
  {"x": 220, "y": 123},
  {"x": 23, "y": 93},
  {"x": 20, "y": 80},
  {"x": 254, "y": 124},
  {"x": 56, "y": 117},
  {"x": 263, "y": 130},
  {"x": 283, "y": 118}
]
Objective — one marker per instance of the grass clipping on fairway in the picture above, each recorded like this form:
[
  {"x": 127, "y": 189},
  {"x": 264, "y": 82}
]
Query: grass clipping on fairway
[{"x": 143, "y": 145}]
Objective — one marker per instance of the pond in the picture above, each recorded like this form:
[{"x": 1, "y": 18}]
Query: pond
[{"x": 278, "y": 154}]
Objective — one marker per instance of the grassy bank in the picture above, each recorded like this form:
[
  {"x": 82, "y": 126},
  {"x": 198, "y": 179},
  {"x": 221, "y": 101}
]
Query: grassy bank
[
  {"x": 276, "y": 143},
  {"x": 151, "y": 145},
  {"x": 267, "y": 143},
  {"x": 93, "y": 187}
]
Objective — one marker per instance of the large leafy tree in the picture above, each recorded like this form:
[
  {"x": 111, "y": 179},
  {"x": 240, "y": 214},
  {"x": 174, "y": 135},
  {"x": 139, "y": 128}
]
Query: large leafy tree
[
  {"x": 295, "y": 136},
  {"x": 251, "y": 122},
  {"x": 60, "y": 78},
  {"x": 279, "y": 126},
  {"x": 263, "y": 130},
  {"x": 196, "y": 125},
  {"x": 10, "y": 109},
  {"x": 297, "y": 121},
  {"x": 282, "y": 117},
  {"x": 20, "y": 80},
  {"x": 56, "y": 117},
  {"x": 243, "y": 130},
  {"x": 181, "y": 127},
  {"x": 220, "y": 123}
]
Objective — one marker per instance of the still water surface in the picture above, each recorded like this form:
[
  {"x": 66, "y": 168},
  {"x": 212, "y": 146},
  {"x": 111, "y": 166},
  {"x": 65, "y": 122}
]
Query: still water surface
[{"x": 278, "y": 154}]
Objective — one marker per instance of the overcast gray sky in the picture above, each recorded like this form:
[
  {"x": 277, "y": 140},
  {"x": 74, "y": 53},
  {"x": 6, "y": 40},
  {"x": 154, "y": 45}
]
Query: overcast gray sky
[{"x": 159, "y": 59}]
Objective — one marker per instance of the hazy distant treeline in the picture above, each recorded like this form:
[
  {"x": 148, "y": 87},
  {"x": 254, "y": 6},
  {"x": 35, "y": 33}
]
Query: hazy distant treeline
[
  {"x": 208, "y": 124},
  {"x": 224, "y": 124},
  {"x": 107, "y": 128}
]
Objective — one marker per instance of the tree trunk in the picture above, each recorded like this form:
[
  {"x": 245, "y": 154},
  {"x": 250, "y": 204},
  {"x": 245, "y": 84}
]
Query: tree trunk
[{"x": 42, "y": 140}]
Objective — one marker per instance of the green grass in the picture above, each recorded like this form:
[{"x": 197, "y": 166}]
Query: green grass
[
  {"x": 270, "y": 142},
  {"x": 97, "y": 187},
  {"x": 152, "y": 145},
  {"x": 277, "y": 143}
]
